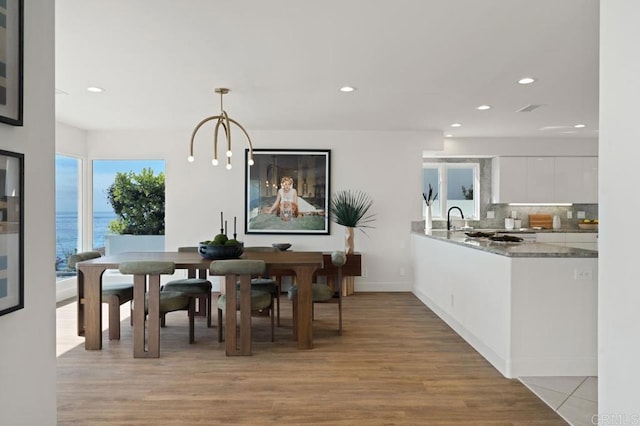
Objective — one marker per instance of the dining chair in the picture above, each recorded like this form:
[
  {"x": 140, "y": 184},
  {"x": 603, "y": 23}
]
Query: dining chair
[
  {"x": 261, "y": 302},
  {"x": 148, "y": 272},
  {"x": 323, "y": 293},
  {"x": 199, "y": 287},
  {"x": 112, "y": 294},
  {"x": 270, "y": 284}
]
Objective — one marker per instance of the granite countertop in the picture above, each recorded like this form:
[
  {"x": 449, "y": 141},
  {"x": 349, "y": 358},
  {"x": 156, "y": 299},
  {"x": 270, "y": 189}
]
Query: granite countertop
[
  {"x": 544, "y": 230},
  {"x": 523, "y": 249}
]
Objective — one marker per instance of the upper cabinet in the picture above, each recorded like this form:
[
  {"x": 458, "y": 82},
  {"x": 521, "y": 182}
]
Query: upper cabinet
[
  {"x": 545, "y": 180},
  {"x": 509, "y": 179}
]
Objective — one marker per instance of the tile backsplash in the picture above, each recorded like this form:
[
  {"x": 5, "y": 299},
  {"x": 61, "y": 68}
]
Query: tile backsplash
[{"x": 501, "y": 211}]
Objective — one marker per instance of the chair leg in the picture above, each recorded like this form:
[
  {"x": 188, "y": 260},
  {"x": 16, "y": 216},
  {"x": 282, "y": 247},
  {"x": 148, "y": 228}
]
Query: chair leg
[
  {"x": 271, "y": 315},
  {"x": 278, "y": 304},
  {"x": 219, "y": 325},
  {"x": 114, "y": 317},
  {"x": 340, "y": 314},
  {"x": 209, "y": 310},
  {"x": 192, "y": 314},
  {"x": 294, "y": 305},
  {"x": 163, "y": 320},
  {"x": 339, "y": 278},
  {"x": 278, "y": 292}
]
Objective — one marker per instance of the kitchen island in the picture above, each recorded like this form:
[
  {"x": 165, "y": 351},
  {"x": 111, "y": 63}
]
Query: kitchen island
[{"x": 529, "y": 308}]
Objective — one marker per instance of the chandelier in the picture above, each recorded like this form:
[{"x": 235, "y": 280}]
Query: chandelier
[{"x": 223, "y": 121}]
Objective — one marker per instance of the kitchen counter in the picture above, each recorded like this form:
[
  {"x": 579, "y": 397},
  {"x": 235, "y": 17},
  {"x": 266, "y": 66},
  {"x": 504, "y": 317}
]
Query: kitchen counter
[
  {"x": 523, "y": 249},
  {"x": 529, "y": 308}
]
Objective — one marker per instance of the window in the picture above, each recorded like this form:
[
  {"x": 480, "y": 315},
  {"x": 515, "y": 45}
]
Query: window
[
  {"x": 457, "y": 184},
  {"x": 68, "y": 212},
  {"x": 104, "y": 174}
]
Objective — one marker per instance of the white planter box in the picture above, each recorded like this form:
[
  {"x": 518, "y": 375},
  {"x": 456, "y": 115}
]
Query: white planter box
[{"x": 114, "y": 244}]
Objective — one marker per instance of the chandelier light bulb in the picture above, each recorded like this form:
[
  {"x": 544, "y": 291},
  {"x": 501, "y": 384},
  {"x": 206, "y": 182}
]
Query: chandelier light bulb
[
  {"x": 251, "y": 163},
  {"x": 229, "y": 166},
  {"x": 214, "y": 161},
  {"x": 191, "y": 159},
  {"x": 229, "y": 153}
]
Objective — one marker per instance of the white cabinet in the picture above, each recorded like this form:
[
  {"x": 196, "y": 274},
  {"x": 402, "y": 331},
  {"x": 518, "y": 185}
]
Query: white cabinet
[
  {"x": 509, "y": 179},
  {"x": 557, "y": 238},
  {"x": 545, "y": 180},
  {"x": 590, "y": 179},
  {"x": 568, "y": 179},
  {"x": 583, "y": 240},
  {"x": 540, "y": 179}
]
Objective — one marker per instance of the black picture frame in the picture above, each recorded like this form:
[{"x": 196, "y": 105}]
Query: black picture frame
[
  {"x": 266, "y": 212},
  {"x": 11, "y": 232},
  {"x": 11, "y": 61}
]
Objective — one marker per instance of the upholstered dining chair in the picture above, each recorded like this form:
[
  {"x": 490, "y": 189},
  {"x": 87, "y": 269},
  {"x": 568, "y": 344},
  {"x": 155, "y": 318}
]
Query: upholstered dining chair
[
  {"x": 241, "y": 270},
  {"x": 269, "y": 284},
  {"x": 323, "y": 293},
  {"x": 112, "y": 294},
  {"x": 170, "y": 301},
  {"x": 199, "y": 287}
]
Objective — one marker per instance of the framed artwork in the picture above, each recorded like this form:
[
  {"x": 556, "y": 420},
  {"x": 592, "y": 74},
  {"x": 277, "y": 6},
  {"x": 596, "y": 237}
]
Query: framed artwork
[
  {"x": 11, "y": 54},
  {"x": 11, "y": 231},
  {"x": 287, "y": 191}
]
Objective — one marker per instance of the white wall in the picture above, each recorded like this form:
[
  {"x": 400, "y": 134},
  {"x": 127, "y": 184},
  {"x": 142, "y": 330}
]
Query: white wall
[
  {"x": 619, "y": 290},
  {"x": 386, "y": 165},
  {"x": 491, "y": 147},
  {"x": 27, "y": 336}
]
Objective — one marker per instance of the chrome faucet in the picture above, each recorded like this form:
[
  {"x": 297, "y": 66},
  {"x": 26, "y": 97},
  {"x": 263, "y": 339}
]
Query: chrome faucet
[{"x": 449, "y": 216}]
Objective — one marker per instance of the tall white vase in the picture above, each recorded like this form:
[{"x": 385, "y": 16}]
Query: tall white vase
[
  {"x": 348, "y": 240},
  {"x": 428, "y": 225}
]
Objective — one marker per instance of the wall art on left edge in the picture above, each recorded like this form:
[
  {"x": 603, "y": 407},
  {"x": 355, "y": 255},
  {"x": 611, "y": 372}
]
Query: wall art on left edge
[
  {"x": 11, "y": 231},
  {"x": 11, "y": 59}
]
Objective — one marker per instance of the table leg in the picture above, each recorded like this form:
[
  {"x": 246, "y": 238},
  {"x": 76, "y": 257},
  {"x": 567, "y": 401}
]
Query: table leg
[
  {"x": 80, "y": 303},
  {"x": 245, "y": 315},
  {"x": 90, "y": 307},
  {"x": 139, "y": 289},
  {"x": 153, "y": 317},
  {"x": 304, "y": 275},
  {"x": 230, "y": 315}
]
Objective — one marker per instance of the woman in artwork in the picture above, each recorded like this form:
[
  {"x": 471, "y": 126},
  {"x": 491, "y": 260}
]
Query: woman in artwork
[{"x": 286, "y": 204}]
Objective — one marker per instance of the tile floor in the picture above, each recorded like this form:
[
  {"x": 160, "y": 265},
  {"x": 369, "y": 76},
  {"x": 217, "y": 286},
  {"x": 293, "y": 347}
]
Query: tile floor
[{"x": 573, "y": 398}]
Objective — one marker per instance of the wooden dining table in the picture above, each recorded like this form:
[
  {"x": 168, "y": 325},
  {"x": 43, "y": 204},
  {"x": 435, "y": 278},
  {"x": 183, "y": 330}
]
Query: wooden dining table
[{"x": 89, "y": 310}]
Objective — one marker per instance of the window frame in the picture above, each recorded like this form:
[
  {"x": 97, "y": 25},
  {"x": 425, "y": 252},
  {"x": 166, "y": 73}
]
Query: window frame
[{"x": 443, "y": 167}]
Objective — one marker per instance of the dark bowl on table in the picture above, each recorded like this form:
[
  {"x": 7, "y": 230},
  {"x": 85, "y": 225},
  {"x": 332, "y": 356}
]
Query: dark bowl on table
[
  {"x": 220, "y": 252},
  {"x": 281, "y": 246}
]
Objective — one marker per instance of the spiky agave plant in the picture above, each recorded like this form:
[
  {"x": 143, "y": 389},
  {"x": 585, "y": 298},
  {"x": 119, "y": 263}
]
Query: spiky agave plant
[{"x": 351, "y": 209}]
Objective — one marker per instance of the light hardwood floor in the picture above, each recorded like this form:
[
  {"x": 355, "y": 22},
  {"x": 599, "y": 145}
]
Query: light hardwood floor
[{"x": 396, "y": 363}]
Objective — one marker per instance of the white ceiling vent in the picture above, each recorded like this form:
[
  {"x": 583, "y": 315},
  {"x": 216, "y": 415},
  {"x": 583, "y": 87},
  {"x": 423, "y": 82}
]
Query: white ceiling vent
[{"x": 530, "y": 107}]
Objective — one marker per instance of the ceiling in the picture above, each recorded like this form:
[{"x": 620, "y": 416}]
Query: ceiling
[{"x": 417, "y": 64}]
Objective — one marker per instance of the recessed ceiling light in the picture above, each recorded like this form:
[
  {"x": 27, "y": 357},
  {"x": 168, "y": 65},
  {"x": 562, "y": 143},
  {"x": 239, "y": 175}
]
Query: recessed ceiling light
[
  {"x": 456, "y": 125},
  {"x": 483, "y": 107},
  {"x": 347, "y": 89},
  {"x": 448, "y": 135},
  {"x": 580, "y": 126},
  {"x": 526, "y": 80},
  {"x": 95, "y": 89}
]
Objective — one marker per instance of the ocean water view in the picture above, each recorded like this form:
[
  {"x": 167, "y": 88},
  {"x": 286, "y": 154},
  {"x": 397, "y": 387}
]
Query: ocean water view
[{"x": 68, "y": 239}]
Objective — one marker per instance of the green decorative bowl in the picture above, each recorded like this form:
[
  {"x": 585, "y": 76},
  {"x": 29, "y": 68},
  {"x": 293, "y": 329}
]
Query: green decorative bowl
[{"x": 213, "y": 252}]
